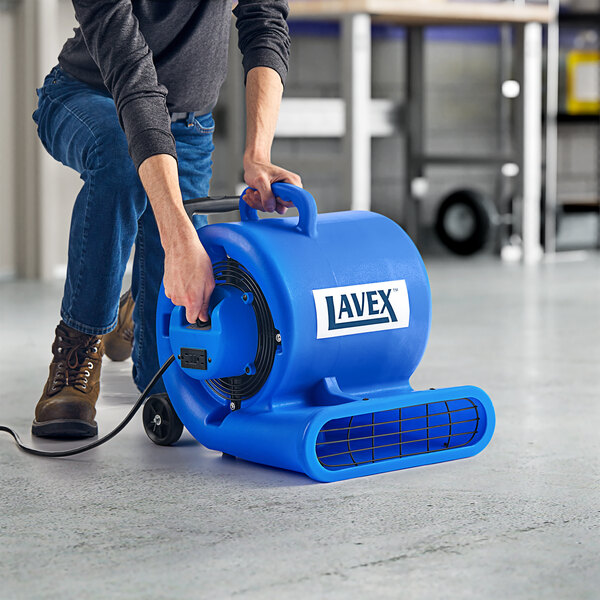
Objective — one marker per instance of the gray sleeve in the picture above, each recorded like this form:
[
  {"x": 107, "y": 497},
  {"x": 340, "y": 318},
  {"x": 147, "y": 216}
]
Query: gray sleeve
[
  {"x": 264, "y": 38},
  {"x": 113, "y": 38}
]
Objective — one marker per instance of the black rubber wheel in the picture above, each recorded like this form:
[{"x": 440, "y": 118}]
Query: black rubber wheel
[
  {"x": 161, "y": 423},
  {"x": 463, "y": 222}
]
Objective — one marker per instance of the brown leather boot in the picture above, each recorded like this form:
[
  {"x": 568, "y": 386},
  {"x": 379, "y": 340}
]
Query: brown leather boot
[
  {"x": 119, "y": 342},
  {"x": 68, "y": 404}
]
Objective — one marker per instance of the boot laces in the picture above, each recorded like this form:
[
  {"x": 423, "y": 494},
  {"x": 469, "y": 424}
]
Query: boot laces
[{"x": 74, "y": 366}]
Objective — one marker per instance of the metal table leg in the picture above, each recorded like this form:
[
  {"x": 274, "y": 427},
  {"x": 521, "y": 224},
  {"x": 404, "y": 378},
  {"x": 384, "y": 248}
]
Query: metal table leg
[
  {"x": 551, "y": 180},
  {"x": 236, "y": 117},
  {"x": 356, "y": 72},
  {"x": 414, "y": 126},
  {"x": 530, "y": 39}
]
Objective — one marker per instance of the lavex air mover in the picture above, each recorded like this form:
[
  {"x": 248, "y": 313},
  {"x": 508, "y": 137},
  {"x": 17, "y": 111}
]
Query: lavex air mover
[{"x": 316, "y": 325}]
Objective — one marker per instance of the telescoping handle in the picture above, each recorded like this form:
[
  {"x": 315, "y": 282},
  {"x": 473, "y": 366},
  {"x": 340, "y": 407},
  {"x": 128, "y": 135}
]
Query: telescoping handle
[
  {"x": 210, "y": 206},
  {"x": 300, "y": 198}
]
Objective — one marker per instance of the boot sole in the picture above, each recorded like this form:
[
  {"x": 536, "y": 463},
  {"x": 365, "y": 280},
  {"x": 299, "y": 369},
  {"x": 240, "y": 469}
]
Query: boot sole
[{"x": 64, "y": 429}]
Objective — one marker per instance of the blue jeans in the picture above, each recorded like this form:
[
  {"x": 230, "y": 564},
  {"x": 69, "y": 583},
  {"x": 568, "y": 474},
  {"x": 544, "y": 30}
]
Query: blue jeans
[{"x": 78, "y": 126}]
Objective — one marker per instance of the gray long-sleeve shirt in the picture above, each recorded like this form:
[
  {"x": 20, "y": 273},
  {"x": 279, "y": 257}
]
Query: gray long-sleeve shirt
[{"x": 156, "y": 57}]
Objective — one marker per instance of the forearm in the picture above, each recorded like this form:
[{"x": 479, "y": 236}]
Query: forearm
[
  {"x": 263, "y": 100},
  {"x": 161, "y": 181},
  {"x": 188, "y": 277}
]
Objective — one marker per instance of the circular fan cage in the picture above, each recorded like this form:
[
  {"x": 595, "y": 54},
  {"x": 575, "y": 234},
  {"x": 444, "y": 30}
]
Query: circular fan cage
[{"x": 236, "y": 389}]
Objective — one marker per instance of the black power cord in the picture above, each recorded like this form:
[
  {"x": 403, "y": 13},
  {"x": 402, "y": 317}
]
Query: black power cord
[{"x": 62, "y": 453}]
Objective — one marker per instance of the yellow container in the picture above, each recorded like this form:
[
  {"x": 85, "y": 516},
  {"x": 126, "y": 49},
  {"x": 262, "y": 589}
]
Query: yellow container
[{"x": 583, "y": 82}]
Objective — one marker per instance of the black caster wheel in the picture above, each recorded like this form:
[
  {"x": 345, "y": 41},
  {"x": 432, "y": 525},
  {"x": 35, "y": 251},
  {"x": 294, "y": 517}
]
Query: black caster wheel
[
  {"x": 161, "y": 423},
  {"x": 464, "y": 221}
]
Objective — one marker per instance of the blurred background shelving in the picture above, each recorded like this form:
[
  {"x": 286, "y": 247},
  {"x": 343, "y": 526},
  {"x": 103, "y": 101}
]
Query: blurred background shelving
[{"x": 572, "y": 190}]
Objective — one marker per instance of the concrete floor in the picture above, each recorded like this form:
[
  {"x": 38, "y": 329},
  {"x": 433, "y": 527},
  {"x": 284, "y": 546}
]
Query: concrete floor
[{"x": 520, "y": 520}]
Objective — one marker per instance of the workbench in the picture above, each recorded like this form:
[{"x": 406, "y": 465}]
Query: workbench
[{"x": 356, "y": 18}]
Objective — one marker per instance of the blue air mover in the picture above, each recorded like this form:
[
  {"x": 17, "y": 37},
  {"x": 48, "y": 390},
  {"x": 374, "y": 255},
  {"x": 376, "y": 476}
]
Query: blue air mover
[{"x": 316, "y": 326}]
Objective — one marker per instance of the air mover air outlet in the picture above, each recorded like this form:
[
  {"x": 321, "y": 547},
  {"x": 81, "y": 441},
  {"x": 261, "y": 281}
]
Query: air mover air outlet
[
  {"x": 398, "y": 433},
  {"x": 231, "y": 273}
]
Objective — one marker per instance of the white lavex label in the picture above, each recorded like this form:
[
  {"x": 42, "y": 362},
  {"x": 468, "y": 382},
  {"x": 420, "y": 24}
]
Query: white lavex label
[{"x": 361, "y": 308}]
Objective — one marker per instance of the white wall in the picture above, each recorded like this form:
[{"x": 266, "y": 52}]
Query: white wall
[
  {"x": 65, "y": 182},
  {"x": 7, "y": 144},
  {"x": 36, "y": 193}
]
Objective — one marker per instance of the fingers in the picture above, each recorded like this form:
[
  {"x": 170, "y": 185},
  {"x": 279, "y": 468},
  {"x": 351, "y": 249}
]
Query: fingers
[
  {"x": 191, "y": 314},
  {"x": 193, "y": 311},
  {"x": 196, "y": 306},
  {"x": 293, "y": 178},
  {"x": 288, "y": 177},
  {"x": 285, "y": 203},
  {"x": 263, "y": 186},
  {"x": 202, "y": 313},
  {"x": 209, "y": 287},
  {"x": 261, "y": 197},
  {"x": 260, "y": 177},
  {"x": 282, "y": 205},
  {"x": 188, "y": 279},
  {"x": 252, "y": 198}
]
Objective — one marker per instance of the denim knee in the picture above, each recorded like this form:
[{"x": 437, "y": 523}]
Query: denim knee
[
  {"x": 110, "y": 149},
  {"x": 115, "y": 170}
]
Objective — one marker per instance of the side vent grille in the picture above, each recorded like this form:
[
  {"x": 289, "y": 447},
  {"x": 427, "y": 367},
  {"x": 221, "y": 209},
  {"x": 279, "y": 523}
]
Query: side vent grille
[{"x": 397, "y": 433}]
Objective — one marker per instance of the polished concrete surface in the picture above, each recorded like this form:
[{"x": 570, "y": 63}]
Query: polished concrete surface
[{"x": 520, "y": 520}]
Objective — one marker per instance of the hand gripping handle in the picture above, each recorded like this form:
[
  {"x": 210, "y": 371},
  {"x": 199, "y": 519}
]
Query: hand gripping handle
[{"x": 301, "y": 199}]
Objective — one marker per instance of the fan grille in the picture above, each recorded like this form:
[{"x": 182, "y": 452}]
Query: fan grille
[
  {"x": 235, "y": 389},
  {"x": 397, "y": 433}
]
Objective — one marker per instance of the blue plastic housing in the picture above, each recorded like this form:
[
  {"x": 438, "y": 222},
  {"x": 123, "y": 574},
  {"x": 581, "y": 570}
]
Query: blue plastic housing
[{"x": 349, "y": 295}]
